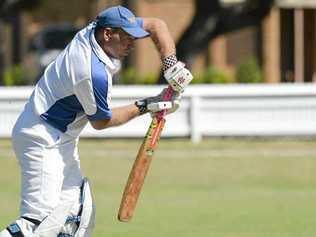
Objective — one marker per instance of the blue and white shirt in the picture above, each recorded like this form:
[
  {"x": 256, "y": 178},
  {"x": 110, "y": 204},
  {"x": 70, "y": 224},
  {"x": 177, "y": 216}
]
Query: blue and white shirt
[{"x": 76, "y": 87}]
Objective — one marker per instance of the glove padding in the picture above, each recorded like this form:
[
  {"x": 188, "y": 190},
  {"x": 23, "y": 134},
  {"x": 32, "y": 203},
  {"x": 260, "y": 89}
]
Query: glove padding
[
  {"x": 156, "y": 103},
  {"x": 178, "y": 76}
]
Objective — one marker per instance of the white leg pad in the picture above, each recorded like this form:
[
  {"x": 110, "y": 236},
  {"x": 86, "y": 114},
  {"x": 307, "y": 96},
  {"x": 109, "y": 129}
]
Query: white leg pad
[
  {"x": 87, "y": 221},
  {"x": 55, "y": 224},
  {"x": 20, "y": 225},
  {"x": 5, "y": 233},
  {"x": 52, "y": 225}
]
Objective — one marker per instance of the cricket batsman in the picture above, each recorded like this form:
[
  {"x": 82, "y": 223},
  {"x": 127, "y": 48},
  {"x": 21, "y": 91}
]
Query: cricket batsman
[{"x": 56, "y": 200}]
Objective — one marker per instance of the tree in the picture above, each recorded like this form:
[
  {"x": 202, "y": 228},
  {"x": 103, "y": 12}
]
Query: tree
[
  {"x": 212, "y": 19},
  {"x": 10, "y": 13}
]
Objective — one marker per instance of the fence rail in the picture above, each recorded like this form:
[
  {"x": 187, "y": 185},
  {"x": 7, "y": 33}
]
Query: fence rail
[{"x": 206, "y": 110}]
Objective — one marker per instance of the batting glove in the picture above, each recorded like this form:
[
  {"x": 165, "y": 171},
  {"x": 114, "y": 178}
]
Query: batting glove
[
  {"x": 176, "y": 74},
  {"x": 157, "y": 103}
]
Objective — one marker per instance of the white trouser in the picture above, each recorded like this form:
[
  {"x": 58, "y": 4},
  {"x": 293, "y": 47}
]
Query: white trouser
[{"x": 50, "y": 167}]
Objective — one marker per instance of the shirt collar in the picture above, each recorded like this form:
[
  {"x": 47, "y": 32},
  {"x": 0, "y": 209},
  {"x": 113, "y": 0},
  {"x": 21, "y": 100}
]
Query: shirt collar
[{"x": 100, "y": 53}]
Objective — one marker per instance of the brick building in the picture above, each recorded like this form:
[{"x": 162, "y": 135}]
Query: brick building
[{"x": 284, "y": 44}]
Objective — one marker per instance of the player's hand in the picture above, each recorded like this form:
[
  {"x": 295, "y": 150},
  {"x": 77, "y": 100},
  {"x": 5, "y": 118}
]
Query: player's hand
[{"x": 157, "y": 103}]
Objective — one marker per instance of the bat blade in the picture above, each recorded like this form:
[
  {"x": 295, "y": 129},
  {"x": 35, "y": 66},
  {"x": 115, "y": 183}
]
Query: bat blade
[{"x": 139, "y": 170}]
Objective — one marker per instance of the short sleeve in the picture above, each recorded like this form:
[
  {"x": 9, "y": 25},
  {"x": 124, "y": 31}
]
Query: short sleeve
[
  {"x": 85, "y": 94},
  {"x": 100, "y": 89}
]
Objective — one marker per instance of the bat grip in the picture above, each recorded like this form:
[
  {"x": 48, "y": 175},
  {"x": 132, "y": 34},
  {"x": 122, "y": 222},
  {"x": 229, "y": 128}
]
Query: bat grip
[
  {"x": 160, "y": 120},
  {"x": 167, "y": 96}
]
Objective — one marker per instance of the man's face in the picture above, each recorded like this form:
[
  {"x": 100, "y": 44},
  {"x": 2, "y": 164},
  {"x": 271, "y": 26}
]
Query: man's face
[{"x": 119, "y": 43}]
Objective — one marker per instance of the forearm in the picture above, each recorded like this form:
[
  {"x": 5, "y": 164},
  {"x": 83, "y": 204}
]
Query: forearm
[
  {"x": 161, "y": 36},
  {"x": 120, "y": 115}
]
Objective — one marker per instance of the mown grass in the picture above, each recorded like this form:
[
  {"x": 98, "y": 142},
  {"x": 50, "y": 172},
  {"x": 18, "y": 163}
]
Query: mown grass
[{"x": 221, "y": 187}]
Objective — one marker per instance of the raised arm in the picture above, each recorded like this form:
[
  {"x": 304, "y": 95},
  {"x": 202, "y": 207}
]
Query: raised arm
[
  {"x": 161, "y": 36},
  {"x": 165, "y": 45}
]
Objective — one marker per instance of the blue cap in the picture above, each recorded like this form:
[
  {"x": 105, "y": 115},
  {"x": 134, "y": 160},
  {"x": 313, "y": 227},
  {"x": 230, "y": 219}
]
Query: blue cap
[{"x": 121, "y": 17}]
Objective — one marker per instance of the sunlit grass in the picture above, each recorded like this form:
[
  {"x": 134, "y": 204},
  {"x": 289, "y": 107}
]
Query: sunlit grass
[{"x": 221, "y": 187}]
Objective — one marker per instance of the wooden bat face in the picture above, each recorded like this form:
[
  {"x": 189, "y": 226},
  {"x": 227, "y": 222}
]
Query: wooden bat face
[
  {"x": 139, "y": 170},
  {"x": 141, "y": 165}
]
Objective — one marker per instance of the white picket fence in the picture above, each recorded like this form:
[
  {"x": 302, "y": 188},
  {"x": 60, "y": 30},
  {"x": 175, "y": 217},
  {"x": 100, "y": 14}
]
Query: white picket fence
[{"x": 206, "y": 110}]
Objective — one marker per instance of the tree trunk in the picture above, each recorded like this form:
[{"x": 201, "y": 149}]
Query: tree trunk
[{"x": 1, "y": 52}]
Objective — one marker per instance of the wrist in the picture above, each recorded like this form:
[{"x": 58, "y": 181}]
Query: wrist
[
  {"x": 142, "y": 106},
  {"x": 169, "y": 61}
]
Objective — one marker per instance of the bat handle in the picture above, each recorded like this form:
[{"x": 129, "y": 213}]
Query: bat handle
[
  {"x": 161, "y": 120},
  {"x": 167, "y": 96}
]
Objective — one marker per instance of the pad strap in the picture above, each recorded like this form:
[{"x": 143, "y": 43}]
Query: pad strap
[
  {"x": 64, "y": 235},
  {"x": 34, "y": 221},
  {"x": 14, "y": 230},
  {"x": 75, "y": 219}
]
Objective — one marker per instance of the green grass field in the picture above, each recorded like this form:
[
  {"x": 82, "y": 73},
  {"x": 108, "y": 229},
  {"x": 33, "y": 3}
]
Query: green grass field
[{"x": 221, "y": 188}]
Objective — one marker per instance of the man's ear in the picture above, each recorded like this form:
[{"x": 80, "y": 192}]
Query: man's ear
[{"x": 107, "y": 34}]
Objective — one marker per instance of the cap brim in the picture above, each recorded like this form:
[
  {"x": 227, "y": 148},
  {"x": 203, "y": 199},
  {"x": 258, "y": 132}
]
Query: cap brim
[{"x": 136, "y": 32}]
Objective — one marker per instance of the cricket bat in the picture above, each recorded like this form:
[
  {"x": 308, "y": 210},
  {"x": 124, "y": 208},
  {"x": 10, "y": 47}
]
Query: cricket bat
[{"x": 141, "y": 165}]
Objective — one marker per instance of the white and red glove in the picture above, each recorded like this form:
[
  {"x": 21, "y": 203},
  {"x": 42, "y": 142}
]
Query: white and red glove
[
  {"x": 176, "y": 74},
  {"x": 178, "y": 78}
]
